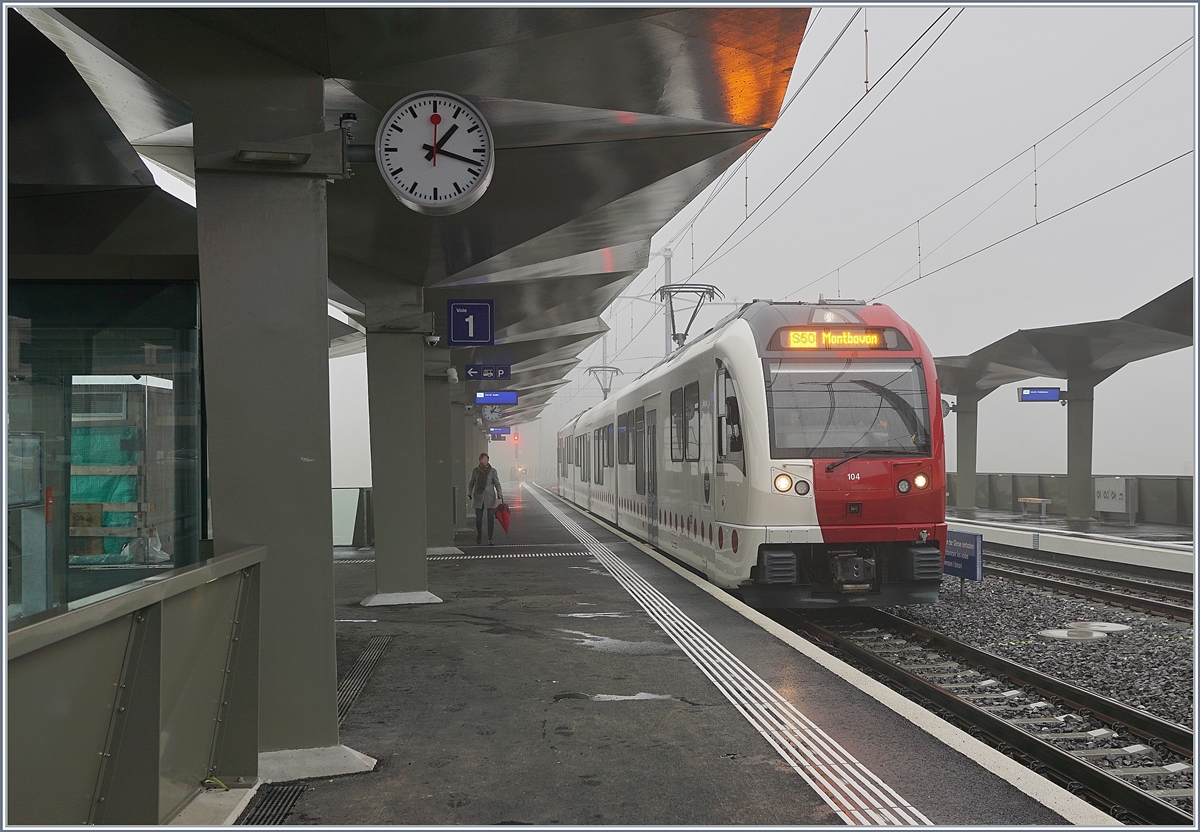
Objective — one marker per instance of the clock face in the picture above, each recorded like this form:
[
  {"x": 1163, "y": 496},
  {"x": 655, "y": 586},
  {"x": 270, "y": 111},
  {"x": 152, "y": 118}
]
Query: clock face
[
  {"x": 436, "y": 152},
  {"x": 491, "y": 412}
]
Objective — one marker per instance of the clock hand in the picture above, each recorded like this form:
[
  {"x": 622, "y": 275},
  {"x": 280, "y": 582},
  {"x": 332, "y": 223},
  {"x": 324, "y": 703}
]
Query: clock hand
[
  {"x": 451, "y": 155},
  {"x": 435, "y": 120},
  {"x": 437, "y": 145}
]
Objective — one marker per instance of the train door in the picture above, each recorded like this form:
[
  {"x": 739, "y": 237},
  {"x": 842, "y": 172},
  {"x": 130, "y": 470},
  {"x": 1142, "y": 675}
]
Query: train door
[
  {"x": 652, "y": 476},
  {"x": 729, "y": 485}
]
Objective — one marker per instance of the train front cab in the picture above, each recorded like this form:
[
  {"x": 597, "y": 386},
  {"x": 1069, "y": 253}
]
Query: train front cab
[{"x": 869, "y": 529}]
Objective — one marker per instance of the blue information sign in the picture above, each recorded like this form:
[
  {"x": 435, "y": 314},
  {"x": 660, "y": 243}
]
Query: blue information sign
[
  {"x": 469, "y": 323},
  {"x": 503, "y": 372},
  {"x": 473, "y": 372},
  {"x": 496, "y": 431},
  {"x": 964, "y": 555},
  {"x": 489, "y": 372},
  {"x": 1039, "y": 394},
  {"x": 496, "y": 397}
]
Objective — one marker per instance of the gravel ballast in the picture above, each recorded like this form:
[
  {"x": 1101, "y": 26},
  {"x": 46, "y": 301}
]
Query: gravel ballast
[{"x": 1149, "y": 666}]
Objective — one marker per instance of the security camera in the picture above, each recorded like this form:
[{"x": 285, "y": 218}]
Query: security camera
[{"x": 432, "y": 340}]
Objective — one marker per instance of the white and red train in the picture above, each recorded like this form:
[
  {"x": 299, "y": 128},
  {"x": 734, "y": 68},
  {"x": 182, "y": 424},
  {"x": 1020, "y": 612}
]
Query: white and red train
[{"x": 793, "y": 454}]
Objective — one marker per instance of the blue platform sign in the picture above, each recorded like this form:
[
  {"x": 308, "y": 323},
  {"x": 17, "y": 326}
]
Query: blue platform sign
[
  {"x": 497, "y": 431},
  {"x": 503, "y": 372},
  {"x": 496, "y": 397},
  {"x": 1039, "y": 394},
  {"x": 469, "y": 323},
  {"x": 473, "y": 372},
  {"x": 489, "y": 372},
  {"x": 964, "y": 555}
]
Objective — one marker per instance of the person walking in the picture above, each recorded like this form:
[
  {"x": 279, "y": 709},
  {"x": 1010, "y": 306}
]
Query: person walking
[{"x": 485, "y": 492}]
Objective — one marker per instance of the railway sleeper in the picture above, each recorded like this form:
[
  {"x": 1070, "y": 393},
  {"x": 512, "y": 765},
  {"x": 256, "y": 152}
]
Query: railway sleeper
[
  {"x": 1149, "y": 771},
  {"x": 1137, "y": 750}
]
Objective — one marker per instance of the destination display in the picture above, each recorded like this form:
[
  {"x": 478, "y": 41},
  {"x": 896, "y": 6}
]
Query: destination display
[
  {"x": 832, "y": 339},
  {"x": 496, "y": 397},
  {"x": 499, "y": 431},
  {"x": 1039, "y": 394}
]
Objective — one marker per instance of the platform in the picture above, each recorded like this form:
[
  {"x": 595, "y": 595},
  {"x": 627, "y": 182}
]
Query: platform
[
  {"x": 1155, "y": 548},
  {"x": 570, "y": 677}
]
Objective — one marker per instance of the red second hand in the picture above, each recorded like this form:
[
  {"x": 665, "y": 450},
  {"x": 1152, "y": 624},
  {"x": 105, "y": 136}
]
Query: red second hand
[{"x": 435, "y": 120}]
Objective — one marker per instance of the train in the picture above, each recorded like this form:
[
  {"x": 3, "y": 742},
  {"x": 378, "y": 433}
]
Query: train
[{"x": 793, "y": 454}]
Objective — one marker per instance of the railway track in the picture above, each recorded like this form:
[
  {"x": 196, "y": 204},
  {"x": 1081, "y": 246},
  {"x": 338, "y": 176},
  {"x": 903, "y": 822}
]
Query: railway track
[
  {"x": 1170, "y": 601},
  {"x": 1136, "y": 766}
]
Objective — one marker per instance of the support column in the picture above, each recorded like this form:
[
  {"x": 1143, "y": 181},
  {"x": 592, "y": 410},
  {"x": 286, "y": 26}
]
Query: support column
[
  {"x": 967, "y": 411},
  {"x": 1080, "y": 410},
  {"x": 262, "y": 245},
  {"x": 439, "y": 467},
  {"x": 459, "y": 467},
  {"x": 396, "y": 402}
]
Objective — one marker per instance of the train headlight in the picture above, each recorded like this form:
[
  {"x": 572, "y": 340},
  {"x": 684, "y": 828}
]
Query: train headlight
[
  {"x": 921, "y": 481},
  {"x": 903, "y": 486},
  {"x": 802, "y": 487},
  {"x": 783, "y": 483}
]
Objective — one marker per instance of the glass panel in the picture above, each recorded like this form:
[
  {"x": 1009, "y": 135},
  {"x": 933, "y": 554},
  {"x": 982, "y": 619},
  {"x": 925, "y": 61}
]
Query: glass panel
[
  {"x": 677, "y": 425},
  {"x": 639, "y": 450},
  {"x": 691, "y": 410},
  {"x": 833, "y": 409},
  {"x": 104, "y": 388}
]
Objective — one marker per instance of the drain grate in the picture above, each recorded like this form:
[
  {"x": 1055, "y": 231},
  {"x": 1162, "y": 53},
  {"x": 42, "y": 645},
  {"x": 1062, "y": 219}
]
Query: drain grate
[
  {"x": 354, "y": 682},
  {"x": 274, "y": 805}
]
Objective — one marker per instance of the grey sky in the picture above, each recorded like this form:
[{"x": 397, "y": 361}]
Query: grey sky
[{"x": 997, "y": 82}]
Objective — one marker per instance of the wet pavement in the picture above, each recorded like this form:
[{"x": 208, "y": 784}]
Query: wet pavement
[{"x": 540, "y": 692}]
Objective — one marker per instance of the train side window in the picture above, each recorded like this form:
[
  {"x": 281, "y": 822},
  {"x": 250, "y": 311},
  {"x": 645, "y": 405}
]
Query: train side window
[
  {"x": 639, "y": 450},
  {"x": 691, "y": 407},
  {"x": 677, "y": 425},
  {"x": 729, "y": 428},
  {"x": 622, "y": 439},
  {"x": 651, "y": 453},
  {"x": 598, "y": 442},
  {"x": 608, "y": 445}
]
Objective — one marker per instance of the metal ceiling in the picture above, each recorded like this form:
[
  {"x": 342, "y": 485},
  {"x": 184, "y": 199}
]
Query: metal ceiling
[{"x": 607, "y": 122}]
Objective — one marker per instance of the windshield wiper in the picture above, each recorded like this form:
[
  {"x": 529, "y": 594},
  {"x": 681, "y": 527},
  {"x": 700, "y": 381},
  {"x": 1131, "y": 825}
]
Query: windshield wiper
[{"x": 844, "y": 460}]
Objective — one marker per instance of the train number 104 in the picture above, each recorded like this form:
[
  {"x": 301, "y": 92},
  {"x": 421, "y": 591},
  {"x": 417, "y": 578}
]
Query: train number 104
[{"x": 854, "y": 476}]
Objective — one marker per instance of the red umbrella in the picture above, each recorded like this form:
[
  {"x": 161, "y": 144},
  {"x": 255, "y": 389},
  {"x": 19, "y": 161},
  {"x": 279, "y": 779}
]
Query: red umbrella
[{"x": 503, "y": 515}]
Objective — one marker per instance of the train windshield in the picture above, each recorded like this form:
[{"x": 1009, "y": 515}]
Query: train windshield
[{"x": 826, "y": 409}]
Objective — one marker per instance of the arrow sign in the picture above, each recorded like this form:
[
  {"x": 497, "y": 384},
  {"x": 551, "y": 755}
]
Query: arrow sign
[{"x": 473, "y": 372}]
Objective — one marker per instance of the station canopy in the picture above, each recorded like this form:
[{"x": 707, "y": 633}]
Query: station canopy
[
  {"x": 1091, "y": 351},
  {"x": 607, "y": 122}
]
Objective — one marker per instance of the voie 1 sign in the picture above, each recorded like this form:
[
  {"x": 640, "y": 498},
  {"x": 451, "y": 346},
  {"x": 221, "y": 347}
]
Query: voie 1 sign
[
  {"x": 469, "y": 323},
  {"x": 964, "y": 555}
]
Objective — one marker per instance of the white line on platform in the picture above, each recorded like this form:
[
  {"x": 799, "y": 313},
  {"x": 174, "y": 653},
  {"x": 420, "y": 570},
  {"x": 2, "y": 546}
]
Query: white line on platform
[
  {"x": 1071, "y": 808},
  {"x": 854, "y": 793}
]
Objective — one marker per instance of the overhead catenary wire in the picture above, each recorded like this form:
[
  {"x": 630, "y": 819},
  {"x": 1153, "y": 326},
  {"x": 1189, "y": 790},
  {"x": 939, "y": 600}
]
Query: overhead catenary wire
[
  {"x": 1036, "y": 225},
  {"x": 815, "y": 147},
  {"x": 718, "y": 253},
  {"x": 1002, "y": 166}
]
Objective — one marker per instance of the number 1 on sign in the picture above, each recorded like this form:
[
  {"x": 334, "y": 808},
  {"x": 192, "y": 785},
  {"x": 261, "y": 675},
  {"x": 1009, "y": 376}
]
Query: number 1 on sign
[{"x": 470, "y": 319}]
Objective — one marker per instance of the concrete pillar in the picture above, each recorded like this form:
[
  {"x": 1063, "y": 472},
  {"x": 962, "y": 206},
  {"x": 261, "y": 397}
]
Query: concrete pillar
[
  {"x": 1080, "y": 407},
  {"x": 439, "y": 468},
  {"x": 459, "y": 467},
  {"x": 262, "y": 245},
  {"x": 396, "y": 402},
  {"x": 967, "y": 411}
]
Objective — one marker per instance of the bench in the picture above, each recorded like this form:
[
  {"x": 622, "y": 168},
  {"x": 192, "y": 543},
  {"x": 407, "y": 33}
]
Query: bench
[{"x": 1026, "y": 501}]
